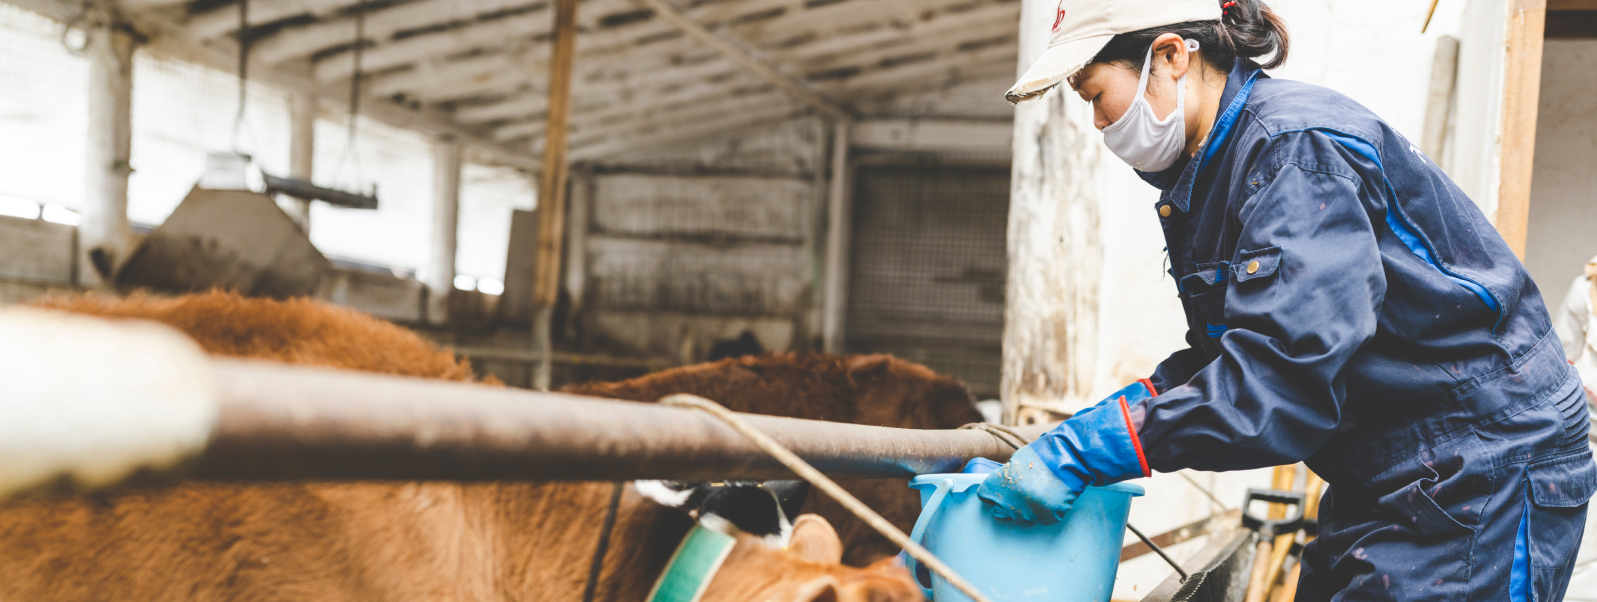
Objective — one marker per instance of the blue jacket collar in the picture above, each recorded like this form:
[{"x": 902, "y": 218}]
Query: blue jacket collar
[{"x": 1178, "y": 179}]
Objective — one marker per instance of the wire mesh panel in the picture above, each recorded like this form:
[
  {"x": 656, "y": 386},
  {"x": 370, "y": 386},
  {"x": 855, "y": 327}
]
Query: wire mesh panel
[{"x": 927, "y": 276}]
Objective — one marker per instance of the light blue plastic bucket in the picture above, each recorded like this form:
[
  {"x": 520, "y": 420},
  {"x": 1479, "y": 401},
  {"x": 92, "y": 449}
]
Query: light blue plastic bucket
[{"x": 1073, "y": 561}]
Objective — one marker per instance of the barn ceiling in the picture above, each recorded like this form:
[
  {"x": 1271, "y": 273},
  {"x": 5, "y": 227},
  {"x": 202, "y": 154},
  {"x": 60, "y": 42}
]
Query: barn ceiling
[{"x": 483, "y": 64}]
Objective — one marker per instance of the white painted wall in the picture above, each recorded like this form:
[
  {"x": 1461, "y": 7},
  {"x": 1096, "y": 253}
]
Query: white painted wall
[
  {"x": 1563, "y": 206},
  {"x": 181, "y": 111}
]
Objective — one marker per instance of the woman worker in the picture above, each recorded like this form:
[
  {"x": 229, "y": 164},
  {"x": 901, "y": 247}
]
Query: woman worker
[{"x": 1346, "y": 306}]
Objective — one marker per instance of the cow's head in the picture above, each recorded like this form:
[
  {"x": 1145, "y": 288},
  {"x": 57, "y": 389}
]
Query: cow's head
[{"x": 768, "y": 557}]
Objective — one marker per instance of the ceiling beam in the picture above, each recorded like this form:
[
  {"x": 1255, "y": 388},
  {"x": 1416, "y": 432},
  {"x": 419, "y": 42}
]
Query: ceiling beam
[
  {"x": 748, "y": 58},
  {"x": 599, "y": 118},
  {"x": 988, "y": 19},
  {"x": 168, "y": 39},
  {"x": 948, "y": 67},
  {"x": 624, "y": 121},
  {"x": 223, "y": 20},
  {"x": 127, "y": 4},
  {"x": 717, "y": 110},
  {"x": 530, "y": 30},
  {"x": 644, "y": 86},
  {"x": 382, "y": 23}
]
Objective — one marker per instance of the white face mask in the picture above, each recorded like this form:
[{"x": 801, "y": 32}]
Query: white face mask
[{"x": 1139, "y": 138}]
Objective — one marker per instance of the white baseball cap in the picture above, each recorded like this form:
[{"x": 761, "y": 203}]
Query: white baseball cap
[{"x": 1083, "y": 27}]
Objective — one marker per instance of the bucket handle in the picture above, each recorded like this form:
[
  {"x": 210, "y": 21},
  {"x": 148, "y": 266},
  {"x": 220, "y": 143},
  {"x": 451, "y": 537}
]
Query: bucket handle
[{"x": 915, "y": 535}]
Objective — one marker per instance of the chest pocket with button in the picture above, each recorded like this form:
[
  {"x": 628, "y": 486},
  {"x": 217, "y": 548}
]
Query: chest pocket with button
[{"x": 1246, "y": 280}]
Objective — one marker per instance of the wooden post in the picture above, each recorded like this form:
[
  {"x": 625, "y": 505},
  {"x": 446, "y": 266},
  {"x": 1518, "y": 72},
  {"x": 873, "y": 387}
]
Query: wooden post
[
  {"x": 105, "y": 237},
  {"x": 1522, "y": 76},
  {"x": 552, "y": 189},
  {"x": 301, "y": 153},
  {"x": 839, "y": 218},
  {"x": 1055, "y": 253},
  {"x": 446, "y": 222}
]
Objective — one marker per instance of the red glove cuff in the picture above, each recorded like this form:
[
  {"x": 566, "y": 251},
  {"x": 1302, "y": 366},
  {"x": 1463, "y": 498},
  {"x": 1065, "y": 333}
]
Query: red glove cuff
[
  {"x": 1132, "y": 428},
  {"x": 1152, "y": 392}
]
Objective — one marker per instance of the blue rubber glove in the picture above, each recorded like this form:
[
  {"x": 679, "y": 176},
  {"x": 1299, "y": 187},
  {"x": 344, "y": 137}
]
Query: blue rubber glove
[
  {"x": 1134, "y": 393},
  {"x": 1097, "y": 446}
]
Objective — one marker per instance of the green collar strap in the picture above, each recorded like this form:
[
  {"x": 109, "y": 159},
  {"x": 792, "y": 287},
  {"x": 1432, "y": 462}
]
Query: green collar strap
[{"x": 692, "y": 566}]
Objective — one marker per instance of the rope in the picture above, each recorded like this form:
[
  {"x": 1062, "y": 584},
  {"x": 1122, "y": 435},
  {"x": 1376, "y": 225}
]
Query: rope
[
  {"x": 597, "y": 566},
  {"x": 808, "y": 473},
  {"x": 1003, "y": 433}
]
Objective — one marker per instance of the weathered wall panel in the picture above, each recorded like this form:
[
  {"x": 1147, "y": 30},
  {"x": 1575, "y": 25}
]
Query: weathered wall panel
[
  {"x": 36, "y": 250},
  {"x": 782, "y": 149},
  {"x": 702, "y": 241},
  {"x": 735, "y": 207},
  {"x": 742, "y": 279}
]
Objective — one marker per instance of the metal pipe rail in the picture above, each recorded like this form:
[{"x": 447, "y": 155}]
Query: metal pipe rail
[
  {"x": 284, "y": 423},
  {"x": 88, "y": 403}
]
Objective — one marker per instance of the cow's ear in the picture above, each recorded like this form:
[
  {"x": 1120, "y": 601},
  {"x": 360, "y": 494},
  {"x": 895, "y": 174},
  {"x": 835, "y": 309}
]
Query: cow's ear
[
  {"x": 815, "y": 540},
  {"x": 866, "y": 367},
  {"x": 822, "y": 589}
]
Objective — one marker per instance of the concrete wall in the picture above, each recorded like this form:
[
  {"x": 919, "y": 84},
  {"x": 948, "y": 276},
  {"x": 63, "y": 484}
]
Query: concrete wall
[
  {"x": 1563, "y": 206},
  {"x": 694, "y": 244}
]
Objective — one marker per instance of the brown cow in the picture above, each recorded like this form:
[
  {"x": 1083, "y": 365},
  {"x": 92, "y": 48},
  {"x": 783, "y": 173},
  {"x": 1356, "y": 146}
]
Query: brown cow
[
  {"x": 363, "y": 541},
  {"x": 877, "y": 390}
]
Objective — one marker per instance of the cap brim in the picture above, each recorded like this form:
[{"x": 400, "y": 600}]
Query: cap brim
[{"x": 1056, "y": 64}]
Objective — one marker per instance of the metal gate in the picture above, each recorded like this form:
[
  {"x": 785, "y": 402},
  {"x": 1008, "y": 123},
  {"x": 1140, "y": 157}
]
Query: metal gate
[{"x": 927, "y": 276}]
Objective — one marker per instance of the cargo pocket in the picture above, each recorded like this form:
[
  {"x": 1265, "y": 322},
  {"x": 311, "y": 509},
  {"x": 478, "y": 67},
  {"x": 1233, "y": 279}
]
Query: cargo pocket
[
  {"x": 1412, "y": 507},
  {"x": 1560, "y": 489}
]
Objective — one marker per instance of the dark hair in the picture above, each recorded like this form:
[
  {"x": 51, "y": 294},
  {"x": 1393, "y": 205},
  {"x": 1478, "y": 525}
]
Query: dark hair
[{"x": 1247, "y": 30}]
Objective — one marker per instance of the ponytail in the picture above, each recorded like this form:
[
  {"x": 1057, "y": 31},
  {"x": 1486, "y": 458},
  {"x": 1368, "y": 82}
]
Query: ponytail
[{"x": 1247, "y": 30}]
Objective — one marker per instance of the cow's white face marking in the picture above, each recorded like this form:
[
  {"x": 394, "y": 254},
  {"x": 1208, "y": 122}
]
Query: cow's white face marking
[{"x": 662, "y": 494}]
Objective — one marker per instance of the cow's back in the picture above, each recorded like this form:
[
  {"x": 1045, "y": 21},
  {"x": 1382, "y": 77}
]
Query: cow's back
[{"x": 295, "y": 331}]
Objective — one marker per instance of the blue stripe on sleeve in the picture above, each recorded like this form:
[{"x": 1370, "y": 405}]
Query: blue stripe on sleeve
[{"x": 1406, "y": 232}]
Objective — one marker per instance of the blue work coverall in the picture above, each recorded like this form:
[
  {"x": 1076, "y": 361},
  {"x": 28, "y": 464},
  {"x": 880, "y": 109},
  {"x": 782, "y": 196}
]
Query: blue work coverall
[{"x": 1349, "y": 306}]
